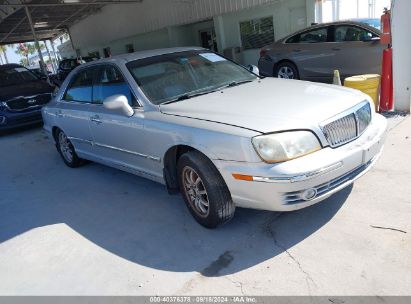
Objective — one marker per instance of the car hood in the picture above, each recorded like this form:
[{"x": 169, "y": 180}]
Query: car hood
[
  {"x": 25, "y": 89},
  {"x": 269, "y": 105}
]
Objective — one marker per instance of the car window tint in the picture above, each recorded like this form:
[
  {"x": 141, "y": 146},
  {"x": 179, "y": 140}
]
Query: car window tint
[
  {"x": 352, "y": 33},
  {"x": 15, "y": 76},
  {"x": 64, "y": 65},
  {"x": 293, "y": 39},
  {"x": 314, "y": 36},
  {"x": 170, "y": 76},
  {"x": 80, "y": 87},
  {"x": 111, "y": 82}
]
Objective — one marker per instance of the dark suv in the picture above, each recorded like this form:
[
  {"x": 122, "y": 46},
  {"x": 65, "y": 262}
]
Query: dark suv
[
  {"x": 22, "y": 94},
  {"x": 67, "y": 65}
]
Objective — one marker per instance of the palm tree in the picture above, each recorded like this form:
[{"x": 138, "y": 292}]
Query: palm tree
[
  {"x": 25, "y": 49},
  {"x": 3, "y": 49},
  {"x": 23, "y": 61}
]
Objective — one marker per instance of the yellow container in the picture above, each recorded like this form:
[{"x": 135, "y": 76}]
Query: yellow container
[{"x": 368, "y": 84}]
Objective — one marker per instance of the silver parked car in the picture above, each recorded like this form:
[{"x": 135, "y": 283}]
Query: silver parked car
[
  {"x": 314, "y": 53},
  {"x": 219, "y": 134}
]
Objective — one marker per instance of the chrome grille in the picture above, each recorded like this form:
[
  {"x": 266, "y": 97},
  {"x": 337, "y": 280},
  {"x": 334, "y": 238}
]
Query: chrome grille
[
  {"x": 364, "y": 118},
  {"x": 26, "y": 102},
  {"x": 348, "y": 126}
]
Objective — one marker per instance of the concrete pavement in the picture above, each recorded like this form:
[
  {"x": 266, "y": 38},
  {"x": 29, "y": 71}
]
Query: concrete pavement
[{"x": 99, "y": 231}]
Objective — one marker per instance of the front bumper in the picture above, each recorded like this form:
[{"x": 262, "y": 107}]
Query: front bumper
[
  {"x": 9, "y": 120},
  {"x": 279, "y": 187}
]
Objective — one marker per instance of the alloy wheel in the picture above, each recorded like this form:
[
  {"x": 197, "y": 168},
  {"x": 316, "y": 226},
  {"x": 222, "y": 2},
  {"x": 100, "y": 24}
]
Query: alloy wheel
[
  {"x": 286, "y": 72},
  {"x": 65, "y": 147},
  {"x": 195, "y": 192}
]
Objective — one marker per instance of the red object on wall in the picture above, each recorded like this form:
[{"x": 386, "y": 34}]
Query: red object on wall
[
  {"x": 387, "y": 88},
  {"x": 386, "y": 28}
]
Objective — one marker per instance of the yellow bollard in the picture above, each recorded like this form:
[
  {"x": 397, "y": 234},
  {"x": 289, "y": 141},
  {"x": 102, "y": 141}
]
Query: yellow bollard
[
  {"x": 368, "y": 84},
  {"x": 337, "y": 78}
]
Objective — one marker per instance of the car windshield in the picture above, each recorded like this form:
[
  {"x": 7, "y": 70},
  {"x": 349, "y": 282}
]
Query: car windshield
[
  {"x": 178, "y": 76},
  {"x": 15, "y": 76}
]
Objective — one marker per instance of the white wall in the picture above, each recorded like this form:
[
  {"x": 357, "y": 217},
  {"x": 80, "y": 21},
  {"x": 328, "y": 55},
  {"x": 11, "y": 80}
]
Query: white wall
[
  {"x": 288, "y": 16},
  {"x": 119, "y": 21},
  {"x": 167, "y": 23},
  {"x": 401, "y": 27}
]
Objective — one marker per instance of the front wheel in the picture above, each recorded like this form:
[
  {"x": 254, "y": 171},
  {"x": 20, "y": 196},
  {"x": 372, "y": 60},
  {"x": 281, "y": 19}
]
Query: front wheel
[
  {"x": 286, "y": 70},
  {"x": 204, "y": 190}
]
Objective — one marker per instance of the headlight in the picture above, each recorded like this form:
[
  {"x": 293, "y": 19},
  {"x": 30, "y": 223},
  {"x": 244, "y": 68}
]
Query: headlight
[
  {"x": 2, "y": 106},
  {"x": 280, "y": 147}
]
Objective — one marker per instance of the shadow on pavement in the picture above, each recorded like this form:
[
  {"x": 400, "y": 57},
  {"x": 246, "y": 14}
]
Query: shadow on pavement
[{"x": 136, "y": 219}]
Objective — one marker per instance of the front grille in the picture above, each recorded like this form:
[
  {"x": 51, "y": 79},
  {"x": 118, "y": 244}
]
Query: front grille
[
  {"x": 348, "y": 127},
  {"x": 290, "y": 198},
  {"x": 23, "y": 103}
]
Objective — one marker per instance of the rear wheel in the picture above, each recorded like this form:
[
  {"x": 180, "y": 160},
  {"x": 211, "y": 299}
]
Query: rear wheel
[
  {"x": 204, "y": 190},
  {"x": 286, "y": 70},
  {"x": 66, "y": 150}
]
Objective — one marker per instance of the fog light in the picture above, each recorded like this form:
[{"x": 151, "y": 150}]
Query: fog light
[
  {"x": 309, "y": 194},
  {"x": 3, "y": 120}
]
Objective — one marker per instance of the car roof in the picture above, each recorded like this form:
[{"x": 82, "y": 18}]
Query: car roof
[
  {"x": 141, "y": 55},
  {"x": 10, "y": 66},
  {"x": 341, "y": 22}
]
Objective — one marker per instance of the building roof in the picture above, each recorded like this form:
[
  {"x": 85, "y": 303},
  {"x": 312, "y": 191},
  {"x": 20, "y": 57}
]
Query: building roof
[
  {"x": 51, "y": 18},
  {"x": 9, "y": 66}
]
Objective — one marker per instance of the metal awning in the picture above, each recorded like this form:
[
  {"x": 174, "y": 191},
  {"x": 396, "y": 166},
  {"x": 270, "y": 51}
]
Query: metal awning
[{"x": 50, "y": 18}]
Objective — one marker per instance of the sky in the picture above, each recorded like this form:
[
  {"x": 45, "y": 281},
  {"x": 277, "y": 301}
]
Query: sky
[{"x": 15, "y": 58}]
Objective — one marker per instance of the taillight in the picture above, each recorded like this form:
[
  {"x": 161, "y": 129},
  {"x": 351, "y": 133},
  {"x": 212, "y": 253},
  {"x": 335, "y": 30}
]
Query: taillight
[{"x": 263, "y": 52}]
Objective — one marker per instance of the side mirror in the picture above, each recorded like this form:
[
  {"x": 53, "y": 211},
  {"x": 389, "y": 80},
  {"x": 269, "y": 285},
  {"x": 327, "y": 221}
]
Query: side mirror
[
  {"x": 118, "y": 103},
  {"x": 253, "y": 69}
]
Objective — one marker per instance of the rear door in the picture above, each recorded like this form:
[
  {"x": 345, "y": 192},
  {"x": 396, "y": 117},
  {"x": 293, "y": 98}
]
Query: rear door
[
  {"x": 356, "y": 50},
  {"x": 309, "y": 51},
  {"x": 74, "y": 112}
]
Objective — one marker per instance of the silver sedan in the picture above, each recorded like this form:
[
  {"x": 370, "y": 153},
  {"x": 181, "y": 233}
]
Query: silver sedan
[
  {"x": 210, "y": 129},
  {"x": 314, "y": 53}
]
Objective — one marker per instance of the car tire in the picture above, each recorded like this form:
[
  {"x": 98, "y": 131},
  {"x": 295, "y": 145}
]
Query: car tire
[
  {"x": 67, "y": 151},
  {"x": 204, "y": 190},
  {"x": 286, "y": 70}
]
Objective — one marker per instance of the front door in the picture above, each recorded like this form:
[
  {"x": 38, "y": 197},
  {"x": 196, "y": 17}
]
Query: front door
[
  {"x": 118, "y": 139},
  {"x": 356, "y": 51}
]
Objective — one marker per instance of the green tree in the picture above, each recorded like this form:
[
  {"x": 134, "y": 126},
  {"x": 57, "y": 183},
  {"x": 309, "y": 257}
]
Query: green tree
[
  {"x": 3, "y": 49},
  {"x": 27, "y": 49},
  {"x": 23, "y": 61}
]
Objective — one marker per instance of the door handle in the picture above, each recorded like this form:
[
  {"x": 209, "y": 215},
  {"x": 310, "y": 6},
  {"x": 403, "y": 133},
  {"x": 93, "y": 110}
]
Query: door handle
[
  {"x": 96, "y": 119},
  {"x": 336, "y": 49},
  {"x": 59, "y": 113},
  {"x": 297, "y": 50}
]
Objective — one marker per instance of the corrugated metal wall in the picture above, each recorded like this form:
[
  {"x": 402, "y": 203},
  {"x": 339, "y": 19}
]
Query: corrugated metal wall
[
  {"x": 116, "y": 22},
  {"x": 176, "y": 12},
  {"x": 152, "y": 15}
]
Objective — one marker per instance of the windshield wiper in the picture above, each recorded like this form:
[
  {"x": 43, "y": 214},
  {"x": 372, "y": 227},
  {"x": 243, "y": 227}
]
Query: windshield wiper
[
  {"x": 186, "y": 96},
  {"x": 191, "y": 95},
  {"x": 236, "y": 83}
]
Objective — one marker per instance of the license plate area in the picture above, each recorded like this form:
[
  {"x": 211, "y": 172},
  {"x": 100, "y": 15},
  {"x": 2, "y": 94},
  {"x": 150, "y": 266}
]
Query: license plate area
[{"x": 371, "y": 151}]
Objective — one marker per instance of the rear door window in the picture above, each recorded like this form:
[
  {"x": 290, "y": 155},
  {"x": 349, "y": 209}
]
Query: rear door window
[
  {"x": 111, "y": 82},
  {"x": 81, "y": 86},
  {"x": 318, "y": 35},
  {"x": 314, "y": 36}
]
